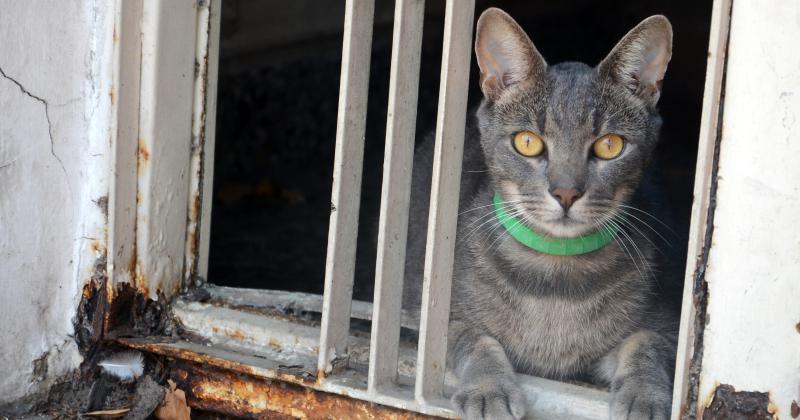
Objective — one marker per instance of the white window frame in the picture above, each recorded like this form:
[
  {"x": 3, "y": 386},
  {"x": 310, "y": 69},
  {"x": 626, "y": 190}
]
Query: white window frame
[{"x": 160, "y": 204}]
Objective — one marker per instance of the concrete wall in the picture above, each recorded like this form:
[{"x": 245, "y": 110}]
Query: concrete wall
[{"x": 55, "y": 58}]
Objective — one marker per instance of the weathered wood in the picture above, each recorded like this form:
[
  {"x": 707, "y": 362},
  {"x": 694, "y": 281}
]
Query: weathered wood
[
  {"x": 343, "y": 230},
  {"x": 718, "y": 41},
  {"x": 396, "y": 193},
  {"x": 450, "y": 129}
]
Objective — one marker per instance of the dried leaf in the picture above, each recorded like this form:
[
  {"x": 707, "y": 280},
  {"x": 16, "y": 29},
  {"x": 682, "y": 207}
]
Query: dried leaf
[
  {"x": 174, "y": 406},
  {"x": 108, "y": 414}
]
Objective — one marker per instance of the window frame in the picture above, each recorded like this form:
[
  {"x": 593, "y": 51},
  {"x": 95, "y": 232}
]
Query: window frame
[{"x": 166, "y": 58}]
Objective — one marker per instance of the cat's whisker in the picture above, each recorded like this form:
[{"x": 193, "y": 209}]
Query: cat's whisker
[
  {"x": 503, "y": 203},
  {"x": 627, "y": 206},
  {"x": 521, "y": 215},
  {"x": 620, "y": 241},
  {"x": 489, "y": 213},
  {"x": 625, "y": 222},
  {"x": 512, "y": 213},
  {"x": 636, "y": 248},
  {"x": 629, "y": 214}
]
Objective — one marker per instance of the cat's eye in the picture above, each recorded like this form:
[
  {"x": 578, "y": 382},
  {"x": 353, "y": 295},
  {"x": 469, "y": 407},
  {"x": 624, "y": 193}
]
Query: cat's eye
[
  {"x": 608, "y": 146},
  {"x": 528, "y": 144}
]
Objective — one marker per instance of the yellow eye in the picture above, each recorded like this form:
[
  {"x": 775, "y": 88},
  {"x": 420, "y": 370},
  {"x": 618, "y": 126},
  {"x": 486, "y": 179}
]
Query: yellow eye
[
  {"x": 528, "y": 144},
  {"x": 608, "y": 146}
]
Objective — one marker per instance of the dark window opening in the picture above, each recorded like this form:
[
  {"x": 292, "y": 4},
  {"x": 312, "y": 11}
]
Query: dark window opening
[{"x": 277, "y": 103}]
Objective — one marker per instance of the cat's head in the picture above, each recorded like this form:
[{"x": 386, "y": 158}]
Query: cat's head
[{"x": 567, "y": 144}]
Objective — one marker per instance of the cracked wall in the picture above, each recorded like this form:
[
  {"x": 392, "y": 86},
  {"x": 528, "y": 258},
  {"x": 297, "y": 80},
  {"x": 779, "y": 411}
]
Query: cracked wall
[{"x": 55, "y": 78}]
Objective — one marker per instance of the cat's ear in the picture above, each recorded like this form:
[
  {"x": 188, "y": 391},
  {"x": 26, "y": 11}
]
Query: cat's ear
[
  {"x": 506, "y": 56},
  {"x": 640, "y": 59}
]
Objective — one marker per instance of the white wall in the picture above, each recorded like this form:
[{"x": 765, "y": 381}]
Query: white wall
[
  {"x": 54, "y": 119},
  {"x": 752, "y": 336}
]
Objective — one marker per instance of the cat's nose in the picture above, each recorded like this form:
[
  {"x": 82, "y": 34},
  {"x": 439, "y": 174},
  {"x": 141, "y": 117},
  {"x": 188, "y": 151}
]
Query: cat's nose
[{"x": 566, "y": 196}]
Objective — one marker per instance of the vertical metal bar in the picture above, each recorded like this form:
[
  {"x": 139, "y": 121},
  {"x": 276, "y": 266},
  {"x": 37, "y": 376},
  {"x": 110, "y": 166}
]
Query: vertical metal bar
[
  {"x": 124, "y": 141},
  {"x": 205, "y": 83},
  {"x": 442, "y": 219},
  {"x": 343, "y": 230},
  {"x": 169, "y": 37},
  {"x": 206, "y": 189},
  {"x": 398, "y": 159},
  {"x": 709, "y": 130}
]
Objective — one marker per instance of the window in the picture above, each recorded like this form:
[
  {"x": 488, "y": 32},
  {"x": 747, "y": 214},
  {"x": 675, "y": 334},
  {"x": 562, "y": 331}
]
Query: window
[{"x": 288, "y": 343}]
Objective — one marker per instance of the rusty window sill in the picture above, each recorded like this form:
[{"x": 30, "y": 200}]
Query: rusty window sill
[{"x": 258, "y": 337}]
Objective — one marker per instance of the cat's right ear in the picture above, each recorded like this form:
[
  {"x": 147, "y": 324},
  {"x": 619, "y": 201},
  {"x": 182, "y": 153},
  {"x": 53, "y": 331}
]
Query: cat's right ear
[{"x": 506, "y": 56}]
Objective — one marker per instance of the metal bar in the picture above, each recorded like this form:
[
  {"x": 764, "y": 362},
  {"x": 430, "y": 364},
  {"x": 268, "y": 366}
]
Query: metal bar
[
  {"x": 395, "y": 196},
  {"x": 197, "y": 169},
  {"x": 169, "y": 37},
  {"x": 718, "y": 42},
  {"x": 124, "y": 135},
  {"x": 209, "y": 124},
  {"x": 442, "y": 219},
  {"x": 346, "y": 193}
]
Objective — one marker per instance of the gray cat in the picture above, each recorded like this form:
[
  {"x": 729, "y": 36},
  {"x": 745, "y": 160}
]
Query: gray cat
[{"x": 552, "y": 276}]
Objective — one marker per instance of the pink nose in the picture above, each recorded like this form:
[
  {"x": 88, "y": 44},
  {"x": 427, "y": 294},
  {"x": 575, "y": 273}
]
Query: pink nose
[{"x": 566, "y": 196}]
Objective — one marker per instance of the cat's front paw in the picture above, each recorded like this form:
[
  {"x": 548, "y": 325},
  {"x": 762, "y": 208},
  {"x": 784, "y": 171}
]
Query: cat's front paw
[
  {"x": 493, "y": 397},
  {"x": 635, "y": 400}
]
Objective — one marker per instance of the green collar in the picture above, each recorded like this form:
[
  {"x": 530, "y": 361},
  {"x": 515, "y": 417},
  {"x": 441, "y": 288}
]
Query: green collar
[{"x": 553, "y": 246}]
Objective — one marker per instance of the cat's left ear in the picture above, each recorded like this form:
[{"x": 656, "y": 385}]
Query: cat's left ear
[{"x": 640, "y": 59}]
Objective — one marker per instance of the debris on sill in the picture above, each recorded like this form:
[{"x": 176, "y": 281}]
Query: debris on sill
[
  {"x": 119, "y": 387},
  {"x": 727, "y": 403}
]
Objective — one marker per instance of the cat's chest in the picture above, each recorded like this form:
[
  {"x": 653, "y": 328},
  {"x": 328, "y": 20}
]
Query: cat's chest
[{"x": 554, "y": 337}]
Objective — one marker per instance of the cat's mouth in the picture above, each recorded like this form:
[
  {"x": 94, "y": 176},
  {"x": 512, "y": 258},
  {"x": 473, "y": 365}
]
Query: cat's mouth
[{"x": 567, "y": 226}]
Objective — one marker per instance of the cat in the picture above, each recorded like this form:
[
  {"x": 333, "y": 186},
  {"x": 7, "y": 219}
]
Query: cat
[{"x": 559, "y": 152}]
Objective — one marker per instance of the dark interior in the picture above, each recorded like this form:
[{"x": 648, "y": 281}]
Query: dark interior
[{"x": 276, "y": 120}]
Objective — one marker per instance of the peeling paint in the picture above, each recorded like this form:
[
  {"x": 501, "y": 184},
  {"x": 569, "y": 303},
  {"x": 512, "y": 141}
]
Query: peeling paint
[
  {"x": 40, "y": 368},
  {"x": 240, "y": 395},
  {"x": 727, "y": 403}
]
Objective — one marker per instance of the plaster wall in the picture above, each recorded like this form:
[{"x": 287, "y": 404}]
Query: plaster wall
[{"x": 55, "y": 85}]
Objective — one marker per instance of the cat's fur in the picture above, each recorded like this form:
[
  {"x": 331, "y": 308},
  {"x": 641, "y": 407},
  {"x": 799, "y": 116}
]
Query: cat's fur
[{"x": 597, "y": 316}]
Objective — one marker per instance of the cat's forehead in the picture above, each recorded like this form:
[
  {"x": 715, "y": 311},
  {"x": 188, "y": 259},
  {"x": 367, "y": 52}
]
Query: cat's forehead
[{"x": 570, "y": 97}]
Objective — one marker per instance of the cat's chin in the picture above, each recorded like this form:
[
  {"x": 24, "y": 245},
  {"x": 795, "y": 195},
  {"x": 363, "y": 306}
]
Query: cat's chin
[{"x": 567, "y": 227}]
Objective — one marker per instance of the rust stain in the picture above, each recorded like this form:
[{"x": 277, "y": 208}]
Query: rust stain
[
  {"x": 113, "y": 95},
  {"x": 192, "y": 227},
  {"x": 215, "y": 384},
  {"x": 239, "y": 395},
  {"x": 727, "y": 403},
  {"x": 303, "y": 378},
  {"x": 87, "y": 291},
  {"x": 275, "y": 343},
  {"x": 236, "y": 335},
  {"x": 144, "y": 152},
  {"x": 140, "y": 280}
]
